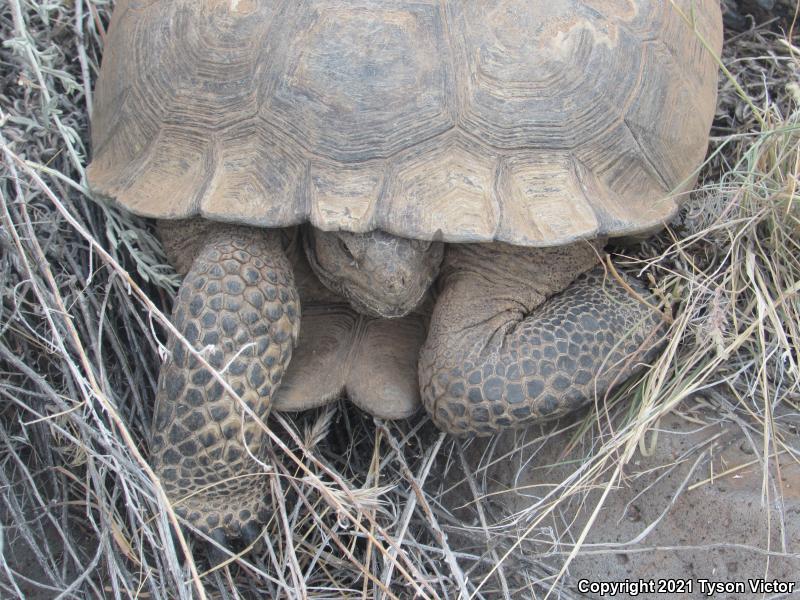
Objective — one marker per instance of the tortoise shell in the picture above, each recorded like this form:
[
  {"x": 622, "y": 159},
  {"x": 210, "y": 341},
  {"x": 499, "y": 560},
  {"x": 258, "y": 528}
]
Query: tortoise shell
[{"x": 528, "y": 122}]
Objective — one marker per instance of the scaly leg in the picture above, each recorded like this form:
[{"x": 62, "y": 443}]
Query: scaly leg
[
  {"x": 526, "y": 334},
  {"x": 239, "y": 307}
]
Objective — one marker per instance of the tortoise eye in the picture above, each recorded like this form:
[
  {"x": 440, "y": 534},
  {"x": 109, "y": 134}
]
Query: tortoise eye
[{"x": 346, "y": 250}]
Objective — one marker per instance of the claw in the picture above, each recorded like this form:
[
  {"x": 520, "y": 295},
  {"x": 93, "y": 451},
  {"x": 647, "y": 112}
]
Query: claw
[
  {"x": 176, "y": 544},
  {"x": 215, "y": 553},
  {"x": 250, "y": 533}
]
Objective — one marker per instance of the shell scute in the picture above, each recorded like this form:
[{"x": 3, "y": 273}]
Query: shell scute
[
  {"x": 445, "y": 187},
  {"x": 259, "y": 179},
  {"x": 364, "y": 79}
]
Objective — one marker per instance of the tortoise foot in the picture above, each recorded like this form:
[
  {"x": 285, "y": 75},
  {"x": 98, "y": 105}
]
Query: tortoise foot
[
  {"x": 496, "y": 367},
  {"x": 372, "y": 361},
  {"x": 238, "y": 307}
]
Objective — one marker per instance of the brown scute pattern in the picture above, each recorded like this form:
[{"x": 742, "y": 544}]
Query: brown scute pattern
[
  {"x": 565, "y": 354},
  {"x": 531, "y": 123},
  {"x": 365, "y": 79},
  {"x": 239, "y": 306}
]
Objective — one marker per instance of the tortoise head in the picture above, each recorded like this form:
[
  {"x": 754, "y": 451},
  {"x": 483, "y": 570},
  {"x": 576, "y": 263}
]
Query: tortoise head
[{"x": 380, "y": 274}]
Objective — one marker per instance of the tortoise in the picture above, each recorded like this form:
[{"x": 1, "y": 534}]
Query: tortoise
[{"x": 500, "y": 144}]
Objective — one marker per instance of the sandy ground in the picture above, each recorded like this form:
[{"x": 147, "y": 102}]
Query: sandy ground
[{"x": 676, "y": 516}]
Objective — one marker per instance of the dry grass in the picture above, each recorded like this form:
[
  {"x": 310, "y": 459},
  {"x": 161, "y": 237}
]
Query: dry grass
[{"x": 358, "y": 507}]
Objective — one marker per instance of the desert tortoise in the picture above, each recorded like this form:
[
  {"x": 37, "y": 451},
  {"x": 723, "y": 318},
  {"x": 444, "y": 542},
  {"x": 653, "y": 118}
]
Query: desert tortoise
[{"x": 522, "y": 133}]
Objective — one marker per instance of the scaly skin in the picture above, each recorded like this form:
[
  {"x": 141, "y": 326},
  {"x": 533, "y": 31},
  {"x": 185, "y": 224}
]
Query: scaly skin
[
  {"x": 501, "y": 355},
  {"x": 238, "y": 304}
]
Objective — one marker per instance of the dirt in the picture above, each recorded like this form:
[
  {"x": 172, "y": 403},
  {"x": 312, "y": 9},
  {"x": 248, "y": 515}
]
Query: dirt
[
  {"x": 31, "y": 558},
  {"x": 720, "y": 527}
]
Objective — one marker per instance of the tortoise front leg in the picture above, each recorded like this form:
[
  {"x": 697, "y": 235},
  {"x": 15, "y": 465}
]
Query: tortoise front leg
[
  {"x": 500, "y": 354},
  {"x": 239, "y": 307}
]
